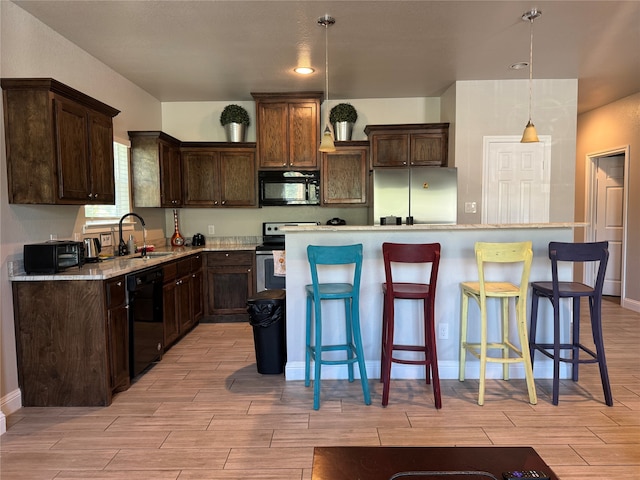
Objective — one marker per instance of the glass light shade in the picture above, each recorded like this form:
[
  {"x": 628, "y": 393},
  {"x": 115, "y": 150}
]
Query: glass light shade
[
  {"x": 530, "y": 135},
  {"x": 327, "y": 145}
]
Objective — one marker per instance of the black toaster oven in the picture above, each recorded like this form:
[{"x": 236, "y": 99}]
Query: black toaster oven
[{"x": 53, "y": 256}]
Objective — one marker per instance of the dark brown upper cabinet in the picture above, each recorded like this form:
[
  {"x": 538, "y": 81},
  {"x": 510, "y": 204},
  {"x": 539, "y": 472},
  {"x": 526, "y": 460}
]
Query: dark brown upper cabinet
[
  {"x": 288, "y": 130},
  {"x": 156, "y": 169},
  {"x": 59, "y": 144},
  {"x": 409, "y": 145}
]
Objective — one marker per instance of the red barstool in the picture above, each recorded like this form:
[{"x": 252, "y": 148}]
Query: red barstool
[{"x": 392, "y": 289}]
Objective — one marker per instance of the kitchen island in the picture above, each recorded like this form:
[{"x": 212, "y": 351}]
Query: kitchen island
[{"x": 457, "y": 264}]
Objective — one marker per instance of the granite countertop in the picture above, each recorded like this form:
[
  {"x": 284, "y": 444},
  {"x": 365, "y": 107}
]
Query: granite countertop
[
  {"x": 116, "y": 266},
  {"x": 428, "y": 226}
]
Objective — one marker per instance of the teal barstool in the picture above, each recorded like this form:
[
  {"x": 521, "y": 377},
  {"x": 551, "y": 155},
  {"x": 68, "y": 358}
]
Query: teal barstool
[{"x": 350, "y": 294}]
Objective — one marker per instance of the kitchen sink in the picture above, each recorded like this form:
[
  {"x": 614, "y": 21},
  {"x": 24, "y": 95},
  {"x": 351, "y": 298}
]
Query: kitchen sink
[{"x": 153, "y": 255}]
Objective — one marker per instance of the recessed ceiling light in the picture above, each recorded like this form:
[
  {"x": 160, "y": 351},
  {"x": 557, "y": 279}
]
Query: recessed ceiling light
[
  {"x": 519, "y": 65},
  {"x": 304, "y": 70}
]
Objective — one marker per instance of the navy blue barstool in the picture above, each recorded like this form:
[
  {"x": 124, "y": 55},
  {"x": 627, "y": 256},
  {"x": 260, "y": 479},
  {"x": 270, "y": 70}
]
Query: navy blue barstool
[
  {"x": 349, "y": 293},
  {"x": 556, "y": 290}
]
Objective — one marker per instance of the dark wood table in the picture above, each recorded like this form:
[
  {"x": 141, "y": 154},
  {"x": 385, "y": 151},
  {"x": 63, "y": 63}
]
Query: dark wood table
[{"x": 420, "y": 463}]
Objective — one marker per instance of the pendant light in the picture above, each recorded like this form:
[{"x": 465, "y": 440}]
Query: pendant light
[
  {"x": 530, "y": 135},
  {"x": 326, "y": 145}
]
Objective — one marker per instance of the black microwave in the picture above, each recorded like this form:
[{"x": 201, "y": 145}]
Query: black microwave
[
  {"x": 289, "y": 188},
  {"x": 52, "y": 257}
]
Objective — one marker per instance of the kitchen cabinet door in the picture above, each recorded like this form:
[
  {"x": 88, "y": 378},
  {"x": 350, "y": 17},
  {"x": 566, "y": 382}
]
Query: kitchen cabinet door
[
  {"x": 169, "y": 309},
  {"x": 201, "y": 178},
  {"x": 287, "y": 130},
  {"x": 230, "y": 283},
  {"x": 72, "y": 140},
  {"x": 117, "y": 335},
  {"x": 101, "y": 159},
  {"x": 59, "y": 144},
  {"x": 170, "y": 175},
  {"x": 303, "y": 132},
  {"x": 345, "y": 175},
  {"x": 272, "y": 134},
  {"x": 409, "y": 145},
  {"x": 219, "y": 176},
  {"x": 238, "y": 179},
  {"x": 156, "y": 172}
]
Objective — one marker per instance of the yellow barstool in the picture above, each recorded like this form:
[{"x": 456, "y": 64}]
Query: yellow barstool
[{"x": 517, "y": 253}]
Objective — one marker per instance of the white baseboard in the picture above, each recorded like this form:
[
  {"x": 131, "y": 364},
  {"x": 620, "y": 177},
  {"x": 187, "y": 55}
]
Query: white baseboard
[
  {"x": 631, "y": 305},
  {"x": 10, "y": 403},
  {"x": 447, "y": 370}
]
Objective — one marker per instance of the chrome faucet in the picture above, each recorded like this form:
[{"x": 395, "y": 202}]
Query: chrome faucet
[{"x": 122, "y": 246}]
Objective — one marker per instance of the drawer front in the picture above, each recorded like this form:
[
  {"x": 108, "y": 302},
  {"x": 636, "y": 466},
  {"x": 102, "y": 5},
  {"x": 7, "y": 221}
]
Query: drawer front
[
  {"x": 216, "y": 259},
  {"x": 184, "y": 267},
  {"x": 196, "y": 262},
  {"x": 170, "y": 270},
  {"x": 116, "y": 293}
]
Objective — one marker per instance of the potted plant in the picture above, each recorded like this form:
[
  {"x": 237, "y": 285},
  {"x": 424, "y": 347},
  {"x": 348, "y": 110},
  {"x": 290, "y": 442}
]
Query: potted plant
[
  {"x": 343, "y": 116},
  {"x": 235, "y": 121}
]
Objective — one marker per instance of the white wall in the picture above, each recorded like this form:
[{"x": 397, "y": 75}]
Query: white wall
[
  {"x": 501, "y": 108},
  {"x": 28, "y": 48}
]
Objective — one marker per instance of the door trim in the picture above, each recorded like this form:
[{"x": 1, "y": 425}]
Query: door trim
[{"x": 591, "y": 171}]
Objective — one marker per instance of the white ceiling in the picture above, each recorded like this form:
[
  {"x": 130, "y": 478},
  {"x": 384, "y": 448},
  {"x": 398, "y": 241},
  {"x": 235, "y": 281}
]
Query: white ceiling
[{"x": 221, "y": 50}]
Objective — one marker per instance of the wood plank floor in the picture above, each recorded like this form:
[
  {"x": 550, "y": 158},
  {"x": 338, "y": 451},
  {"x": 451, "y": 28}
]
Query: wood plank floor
[{"x": 204, "y": 412}]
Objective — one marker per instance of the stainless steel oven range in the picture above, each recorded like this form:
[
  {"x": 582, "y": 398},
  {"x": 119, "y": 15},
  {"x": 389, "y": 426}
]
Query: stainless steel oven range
[{"x": 273, "y": 239}]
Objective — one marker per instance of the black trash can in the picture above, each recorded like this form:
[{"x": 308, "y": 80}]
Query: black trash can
[{"x": 267, "y": 316}]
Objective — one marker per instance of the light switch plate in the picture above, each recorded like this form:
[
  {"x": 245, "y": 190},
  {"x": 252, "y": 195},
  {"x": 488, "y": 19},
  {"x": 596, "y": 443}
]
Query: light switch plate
[{"x": 106, "y": 240}]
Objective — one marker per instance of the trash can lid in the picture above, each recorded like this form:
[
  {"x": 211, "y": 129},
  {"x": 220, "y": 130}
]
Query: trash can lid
[{"x": 276, "y": 294}]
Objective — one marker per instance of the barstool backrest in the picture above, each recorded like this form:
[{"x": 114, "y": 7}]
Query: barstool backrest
[
  {"x": 580, "y": 252},
  {"x": 336, "y": 255},
  {"x": 505, "y": 252},
  {"x": 411, "y": 253}
]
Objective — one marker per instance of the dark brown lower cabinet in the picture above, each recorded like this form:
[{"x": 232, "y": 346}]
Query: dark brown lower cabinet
[
  {"x": 230, "y": 283},
  {"x": 182, "y": 297},
  {"x": 118, "y": 334},
  {"x": 72, "y": 341}
]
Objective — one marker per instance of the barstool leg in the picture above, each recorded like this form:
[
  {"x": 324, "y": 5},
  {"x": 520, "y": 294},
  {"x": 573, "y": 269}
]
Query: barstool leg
[
  {"x": 521, "y": 320},
  {"x": 556, "y": 350},
  {"x": 357, "y": 336},
  {"x": 575, "y": 341},
  {"x": 505, "y": 336},
  {"x": 348, "y": 313},
  {"x": 483, "y": 350},
  {"x": 464, "y": 312},
  {"x": 533, "y": 325},
  {"x": 318, "y": 355},
  {"x": 387, "y": 351},
  {"x": 431, "y": 351},
  {"x": 307, "y": 357},
  {"x": 596, "y": 327}
]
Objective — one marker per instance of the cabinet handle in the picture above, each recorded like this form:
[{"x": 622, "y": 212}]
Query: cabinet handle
[
  {"x": 95, "y": 195},
  {"x": 223, "y": 202},
  {"x": 119, "y": 284},
  {"x": 90, "y": 195},
  {"x": 226, "y": 254}
]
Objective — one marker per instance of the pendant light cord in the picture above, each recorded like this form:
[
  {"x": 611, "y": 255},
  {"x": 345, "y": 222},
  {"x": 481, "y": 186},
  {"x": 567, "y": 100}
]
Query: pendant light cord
[
  {"x": 530, "y": 67},
  {"x": 326, "y": 70}
]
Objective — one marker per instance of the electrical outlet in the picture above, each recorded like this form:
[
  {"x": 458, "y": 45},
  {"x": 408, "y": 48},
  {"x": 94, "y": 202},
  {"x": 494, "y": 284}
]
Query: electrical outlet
[
  {"x": 443, "y": 331},
  {"x": 212, "y": 229},
  {"x": 470, "y": 207}
]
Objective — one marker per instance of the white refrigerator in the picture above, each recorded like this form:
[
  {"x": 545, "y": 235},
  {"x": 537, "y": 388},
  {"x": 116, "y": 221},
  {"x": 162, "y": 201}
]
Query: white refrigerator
[{"x": 428, "y": 194}]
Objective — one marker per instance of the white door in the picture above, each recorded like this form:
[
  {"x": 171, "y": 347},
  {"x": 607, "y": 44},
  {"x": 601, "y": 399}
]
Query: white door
[
  {"x": 516, "y": 179},
  {"x": 609, "y": 216}
]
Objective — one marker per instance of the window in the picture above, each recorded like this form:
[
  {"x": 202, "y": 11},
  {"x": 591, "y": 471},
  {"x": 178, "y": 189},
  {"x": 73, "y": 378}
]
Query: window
[{"x": 96, "y": 214}]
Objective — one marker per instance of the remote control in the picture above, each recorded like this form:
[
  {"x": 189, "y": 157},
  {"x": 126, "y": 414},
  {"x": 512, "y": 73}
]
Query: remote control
[{"x": 525, "y": 475}]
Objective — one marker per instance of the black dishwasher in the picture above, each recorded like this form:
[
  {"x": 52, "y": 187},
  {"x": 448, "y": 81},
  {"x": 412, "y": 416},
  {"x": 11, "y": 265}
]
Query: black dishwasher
[{"x": 146, "y": 329}]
